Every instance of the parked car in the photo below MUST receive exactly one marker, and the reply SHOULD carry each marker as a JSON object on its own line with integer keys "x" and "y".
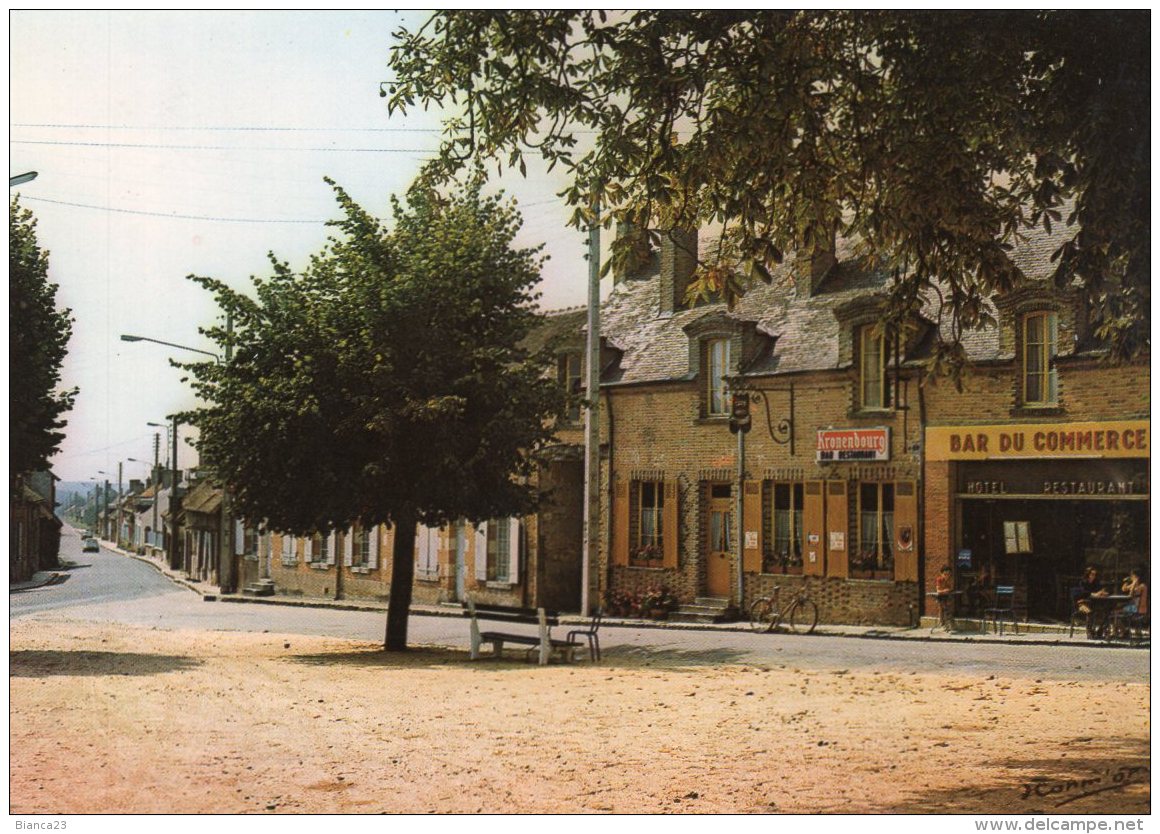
{"x": 91, "y": 546}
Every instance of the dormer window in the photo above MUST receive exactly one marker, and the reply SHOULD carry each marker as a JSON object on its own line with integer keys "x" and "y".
{"x": 874, "y": 393}
{"x": 568, "y": 374}
{"x": 1040, "y": 337}
{"x": 716, "y": 371}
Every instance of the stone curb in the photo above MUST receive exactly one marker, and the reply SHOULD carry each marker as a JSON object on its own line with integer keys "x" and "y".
{"x": 914, "y": 634}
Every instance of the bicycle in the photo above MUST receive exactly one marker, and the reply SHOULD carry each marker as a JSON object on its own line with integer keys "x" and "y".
{"x": 765, "y": 614}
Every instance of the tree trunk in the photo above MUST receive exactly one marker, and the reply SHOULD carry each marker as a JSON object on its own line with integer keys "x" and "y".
{"x": 402, "y": 583}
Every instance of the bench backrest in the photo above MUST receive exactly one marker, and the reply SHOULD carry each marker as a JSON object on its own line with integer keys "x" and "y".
{"x": 508, "y": 614}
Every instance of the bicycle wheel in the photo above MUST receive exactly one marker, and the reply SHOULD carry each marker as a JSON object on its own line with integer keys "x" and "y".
{"x": 803, "y": 617}
{"x": 761, "y": 614}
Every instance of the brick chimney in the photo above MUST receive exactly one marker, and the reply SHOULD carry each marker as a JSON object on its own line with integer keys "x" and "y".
{"x": 647, "y": 268}
{"x": 678, "y": 261}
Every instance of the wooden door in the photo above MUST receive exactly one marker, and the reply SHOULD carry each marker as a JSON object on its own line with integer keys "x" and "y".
{"x": 719, "y": 547}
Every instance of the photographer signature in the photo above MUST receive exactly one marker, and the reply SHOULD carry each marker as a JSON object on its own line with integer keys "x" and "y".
{"x": 1069, "y": 790}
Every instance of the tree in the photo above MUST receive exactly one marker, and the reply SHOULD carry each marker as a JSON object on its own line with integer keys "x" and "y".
{"x": 936, "y": 139}
{"x": 384, "y": 383}
{"x": 38, "y": 335}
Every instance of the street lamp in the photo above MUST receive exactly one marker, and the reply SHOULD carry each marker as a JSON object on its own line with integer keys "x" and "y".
{"x": 103, "y": 529}
{"x": 226, "y": 572}
{"x": 20, "y": 179}
{"x": 126, "y": 337}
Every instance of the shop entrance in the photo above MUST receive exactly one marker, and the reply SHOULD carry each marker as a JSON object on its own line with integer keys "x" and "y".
{"x": 1041, "y": 543}
{"x": 719, "y": 548}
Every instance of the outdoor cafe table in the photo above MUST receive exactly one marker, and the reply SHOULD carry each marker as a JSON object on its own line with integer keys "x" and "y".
{"x": 1103, "y": 607}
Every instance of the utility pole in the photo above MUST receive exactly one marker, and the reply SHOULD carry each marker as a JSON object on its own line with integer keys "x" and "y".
{"x": 156, "y": 486}
{"x": 120, "y": 500}
{"x": 227, "y": 573}
{"x": 591, "y": 555}
{"x": 174, "y": 549}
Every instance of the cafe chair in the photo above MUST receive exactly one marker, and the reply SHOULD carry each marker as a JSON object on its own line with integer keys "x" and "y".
{"x": 590, "y": 634}
{"x": 1077, "y": 616}
{"x": 1003, "y": 609}
{"x": 1129, "y": 627}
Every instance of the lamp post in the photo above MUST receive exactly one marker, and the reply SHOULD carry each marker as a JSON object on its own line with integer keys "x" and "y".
{"x": 102, "y": 527}
{"x": 127, "y": 337}
{"x": 20, "y": 179}
{"x": 226, "y": 574}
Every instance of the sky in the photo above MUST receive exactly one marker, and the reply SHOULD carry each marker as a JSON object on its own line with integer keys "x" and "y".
{"x": 178, "y": 143}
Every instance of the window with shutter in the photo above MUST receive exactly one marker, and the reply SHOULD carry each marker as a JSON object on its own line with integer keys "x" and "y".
{"x": 1040, "y": 380}
{"x": 348, "y": 546}
{"x": 373, "y": 551}
{"x": 480, "y": 552}
{"x": 514, "y": 550}
{"x": 427, "y": 551}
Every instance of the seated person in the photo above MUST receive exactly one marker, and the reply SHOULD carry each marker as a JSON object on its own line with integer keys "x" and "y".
{"x": 1135, "y": 588}
{"x": 977, "y": 590}
{"x": 1089, "y": 586}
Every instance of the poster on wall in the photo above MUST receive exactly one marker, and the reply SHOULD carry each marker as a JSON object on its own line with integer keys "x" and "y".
{"x": 1017, "y": 536}
{"x": 837, "y": 540}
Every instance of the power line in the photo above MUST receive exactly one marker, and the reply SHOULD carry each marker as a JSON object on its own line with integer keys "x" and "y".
{"x": 238, "y": 128}
{"x": 172, "y": 216}
{"x": 175, "y": 216}
{"x": 156, "y": 146}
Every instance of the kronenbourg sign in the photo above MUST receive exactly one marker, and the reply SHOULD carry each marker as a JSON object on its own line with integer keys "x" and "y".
{"x": 853, "y": 444}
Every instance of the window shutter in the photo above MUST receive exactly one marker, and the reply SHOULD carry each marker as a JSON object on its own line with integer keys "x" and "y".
{"x": 837, "y": 521}
{"x": 239, "y": 538}
{"x": 620, "y": 523}
{"x": 308, "y": 549}
{"x": 514, "y": 550}
{"x": 373, "y": 558}
{"x": 751, "y": 510}
{"x": 426, "y": 553}
{"x": 813, "y": 525}
{"x": 348, "y": 546}
{"x": 905, "y": 532}
{"x": 481, "y": 552}
{"x": 287, "y": 548}
{"x": 331, "y": 546}
{"x": 668, "y": 526}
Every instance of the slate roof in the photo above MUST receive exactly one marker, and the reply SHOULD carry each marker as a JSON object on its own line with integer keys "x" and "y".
{"x": 805, "y": 329}
{"x": 203, "y": 498}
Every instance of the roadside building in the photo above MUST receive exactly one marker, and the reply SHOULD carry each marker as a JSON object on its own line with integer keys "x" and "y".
{"x": 1040, "y": 466}
{"x": 829, "y": 491}
{"x": 34, "y": 529}
{"x": 199, "y": 520}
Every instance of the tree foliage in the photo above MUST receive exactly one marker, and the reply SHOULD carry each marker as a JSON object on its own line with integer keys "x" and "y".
{"x": 38, "y": 335}
{"x": 384, "y": 383}
{"x": 936, "y": 139}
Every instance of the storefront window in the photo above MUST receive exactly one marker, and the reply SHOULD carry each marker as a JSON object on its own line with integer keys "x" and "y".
{"x": 875, "y": 552}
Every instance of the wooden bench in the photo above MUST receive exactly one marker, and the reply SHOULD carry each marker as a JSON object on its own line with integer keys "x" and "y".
{"x": 540, "y": 642}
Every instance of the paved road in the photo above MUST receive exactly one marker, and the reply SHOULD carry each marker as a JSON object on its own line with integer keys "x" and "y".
{"x": 108, "y": 587}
